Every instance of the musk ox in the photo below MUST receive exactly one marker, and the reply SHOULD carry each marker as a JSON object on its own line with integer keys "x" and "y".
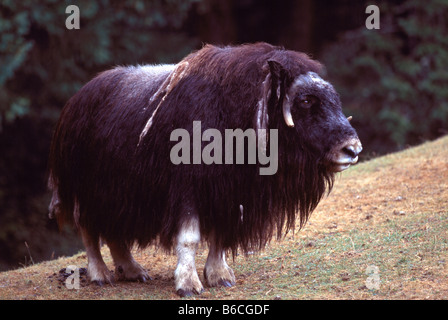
{"x": 112, "y": 177}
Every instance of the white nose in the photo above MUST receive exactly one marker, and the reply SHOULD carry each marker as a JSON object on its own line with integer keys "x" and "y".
{"x": 347, "y": 155}
{"x": 353, "y": 148}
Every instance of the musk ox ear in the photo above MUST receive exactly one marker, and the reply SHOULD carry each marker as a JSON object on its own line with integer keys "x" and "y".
{"x": 278, "y": 74}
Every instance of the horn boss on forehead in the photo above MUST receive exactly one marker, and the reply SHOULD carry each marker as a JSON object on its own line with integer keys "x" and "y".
{"x": 112, "y": 174}
{"x": 303, "y": 81}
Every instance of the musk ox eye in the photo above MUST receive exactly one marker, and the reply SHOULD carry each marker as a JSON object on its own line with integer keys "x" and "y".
{"x": 307, "y": 102}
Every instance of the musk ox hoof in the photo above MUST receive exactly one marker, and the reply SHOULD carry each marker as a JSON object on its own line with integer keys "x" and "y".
{"x": 132, "y": 272}
{"x": 225, "y": 283}
{"x": 188, "y": 284}
{"x": 143, "y": 278}
{"x": 100, "y": 276}
{"x": 106, "y": 279}
{"x": 99, "y": 283}
{"x": 188, "y": 293}
{"x": 102, "y": 282}
{"x": 221, "y": 276}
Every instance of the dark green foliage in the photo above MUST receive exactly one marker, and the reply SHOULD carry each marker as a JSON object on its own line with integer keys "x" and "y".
{"x": 394, "y": 81}
{"x": 43, "y": 62}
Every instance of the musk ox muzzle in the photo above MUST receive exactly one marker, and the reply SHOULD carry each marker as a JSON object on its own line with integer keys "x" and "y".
{"x": 347, "y": 154}
{"x": 113, "y": 178}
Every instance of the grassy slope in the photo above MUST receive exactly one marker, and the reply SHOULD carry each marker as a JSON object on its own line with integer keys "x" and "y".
{"x": 390, "y": 213}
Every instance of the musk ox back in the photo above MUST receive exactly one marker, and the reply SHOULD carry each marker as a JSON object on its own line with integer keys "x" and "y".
{"x": 113, "y": 176}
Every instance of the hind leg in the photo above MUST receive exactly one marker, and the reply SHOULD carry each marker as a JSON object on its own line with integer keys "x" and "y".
{"x": 216, "y": 270}
{"x": 126, "y": 268}
{"x": 97, "y": 269}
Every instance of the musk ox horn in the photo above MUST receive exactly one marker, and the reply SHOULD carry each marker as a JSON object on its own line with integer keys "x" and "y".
{"x": 278, "y": 75}
{"x": 287, "y": 112}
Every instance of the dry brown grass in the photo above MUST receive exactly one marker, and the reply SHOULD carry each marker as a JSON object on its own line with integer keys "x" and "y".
{"x": 390, "y": 212}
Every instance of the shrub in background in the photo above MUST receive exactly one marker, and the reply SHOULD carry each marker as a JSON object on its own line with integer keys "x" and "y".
{"x": 394, "y": 80}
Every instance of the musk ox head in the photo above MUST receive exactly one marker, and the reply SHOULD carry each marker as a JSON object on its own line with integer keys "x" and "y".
{"x": 311, "y": 107}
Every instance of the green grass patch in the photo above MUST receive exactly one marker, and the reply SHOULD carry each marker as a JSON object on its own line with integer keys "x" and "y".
{"x": 335, "y": 265}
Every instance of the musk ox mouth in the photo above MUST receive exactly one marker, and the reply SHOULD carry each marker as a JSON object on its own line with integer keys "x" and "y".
{"x": 344, "y": 164}
{"x": 346, "y": 155}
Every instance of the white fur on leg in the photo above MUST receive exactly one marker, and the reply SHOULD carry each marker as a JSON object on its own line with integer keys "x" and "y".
{"x": 216, "y": 270}
{"x": 185, "y": 276}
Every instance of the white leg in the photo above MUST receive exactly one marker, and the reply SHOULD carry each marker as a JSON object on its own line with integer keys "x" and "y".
{"x": 216, "y": 270}
{"x": 126, "y": 268}
{"x": 185, "y": 276}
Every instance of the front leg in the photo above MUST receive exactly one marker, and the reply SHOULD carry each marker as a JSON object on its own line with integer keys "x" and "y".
{"x": 185, "y": 276}
{"x": 216, "y": 270}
